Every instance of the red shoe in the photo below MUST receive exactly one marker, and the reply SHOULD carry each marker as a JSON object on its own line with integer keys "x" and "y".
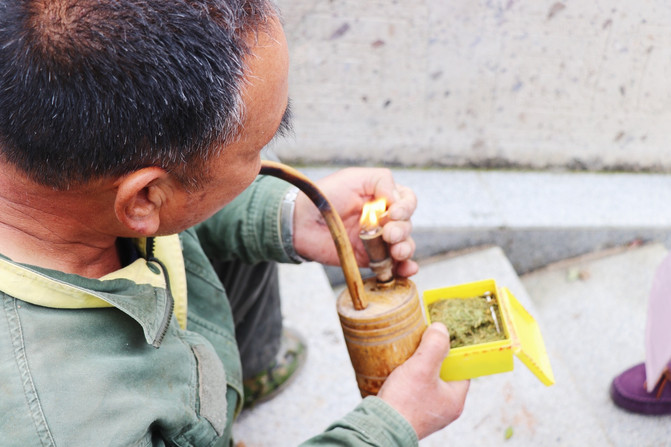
{"x": 629, "y": 392}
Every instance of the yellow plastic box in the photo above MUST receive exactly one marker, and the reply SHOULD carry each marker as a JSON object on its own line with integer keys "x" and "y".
{"x": 523, "y": 337}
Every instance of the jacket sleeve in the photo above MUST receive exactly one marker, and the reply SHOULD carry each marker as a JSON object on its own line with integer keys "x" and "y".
{"x": 372, "y": 423}
{"x": 249, "y": 228}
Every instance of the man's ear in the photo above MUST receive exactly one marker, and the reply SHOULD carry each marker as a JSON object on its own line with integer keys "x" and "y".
{"x": 139, "y": 198}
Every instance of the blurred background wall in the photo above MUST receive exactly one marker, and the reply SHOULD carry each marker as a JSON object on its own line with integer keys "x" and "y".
{"x": 540, "y": 84}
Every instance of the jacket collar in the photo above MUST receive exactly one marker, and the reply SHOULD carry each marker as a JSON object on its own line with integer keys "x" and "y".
{"x": 146, "y": 290}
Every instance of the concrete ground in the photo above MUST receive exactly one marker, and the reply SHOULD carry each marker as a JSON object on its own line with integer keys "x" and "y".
{"x": 591, "y": 311}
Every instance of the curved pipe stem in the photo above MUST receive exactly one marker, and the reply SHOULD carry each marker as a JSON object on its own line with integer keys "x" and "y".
{"x": 333, "y": 221}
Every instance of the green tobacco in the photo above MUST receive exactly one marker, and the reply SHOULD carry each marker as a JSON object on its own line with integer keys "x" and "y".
{"x": 469, "y": 320}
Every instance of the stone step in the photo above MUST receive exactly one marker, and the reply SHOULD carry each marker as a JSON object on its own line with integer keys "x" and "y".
{"x": 537, "y": 218}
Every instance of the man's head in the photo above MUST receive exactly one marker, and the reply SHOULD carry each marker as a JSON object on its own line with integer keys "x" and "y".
{"x": 94, "y": 89}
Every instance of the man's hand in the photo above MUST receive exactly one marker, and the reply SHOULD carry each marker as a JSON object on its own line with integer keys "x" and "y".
{"x": 416, "y": 391}
{"x": 348, "y": 190}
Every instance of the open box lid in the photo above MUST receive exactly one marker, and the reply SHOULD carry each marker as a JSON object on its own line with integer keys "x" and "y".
{"x": 527, "y": 341}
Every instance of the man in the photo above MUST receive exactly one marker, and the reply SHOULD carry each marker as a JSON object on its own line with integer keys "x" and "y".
{"x": 125, "y": 127}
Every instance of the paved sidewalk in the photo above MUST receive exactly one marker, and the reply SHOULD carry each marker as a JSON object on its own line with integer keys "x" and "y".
{"x": 595, "y": 326}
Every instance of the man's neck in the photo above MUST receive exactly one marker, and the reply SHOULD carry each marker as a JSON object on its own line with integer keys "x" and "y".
{"x": 60, "y": 230}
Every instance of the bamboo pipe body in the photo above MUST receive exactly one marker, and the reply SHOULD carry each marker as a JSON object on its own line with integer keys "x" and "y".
{"x": 385, "y": 334}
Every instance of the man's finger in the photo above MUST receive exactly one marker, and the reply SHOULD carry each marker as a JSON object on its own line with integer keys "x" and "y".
{"x": 396, "y": 231}
{"x": 404, "y": 207}
{"x": 432, "y": 350}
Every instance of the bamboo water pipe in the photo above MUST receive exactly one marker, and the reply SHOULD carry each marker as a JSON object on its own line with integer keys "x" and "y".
{"x": 381, "y": 318}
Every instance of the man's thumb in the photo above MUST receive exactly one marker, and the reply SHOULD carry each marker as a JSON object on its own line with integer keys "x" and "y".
{"x": 433, "y": 348}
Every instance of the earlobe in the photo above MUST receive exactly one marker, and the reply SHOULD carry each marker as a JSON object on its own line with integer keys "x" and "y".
{"x": 138, "y": 200}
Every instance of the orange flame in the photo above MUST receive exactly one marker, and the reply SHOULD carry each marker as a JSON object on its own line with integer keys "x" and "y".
{"x": 371, "y": 214}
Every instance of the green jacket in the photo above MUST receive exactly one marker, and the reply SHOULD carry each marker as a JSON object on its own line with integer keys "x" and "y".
{"x": 124, "y": 361}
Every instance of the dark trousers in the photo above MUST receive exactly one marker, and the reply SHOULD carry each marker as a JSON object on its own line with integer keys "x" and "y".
{"x": 254, "y": 294}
